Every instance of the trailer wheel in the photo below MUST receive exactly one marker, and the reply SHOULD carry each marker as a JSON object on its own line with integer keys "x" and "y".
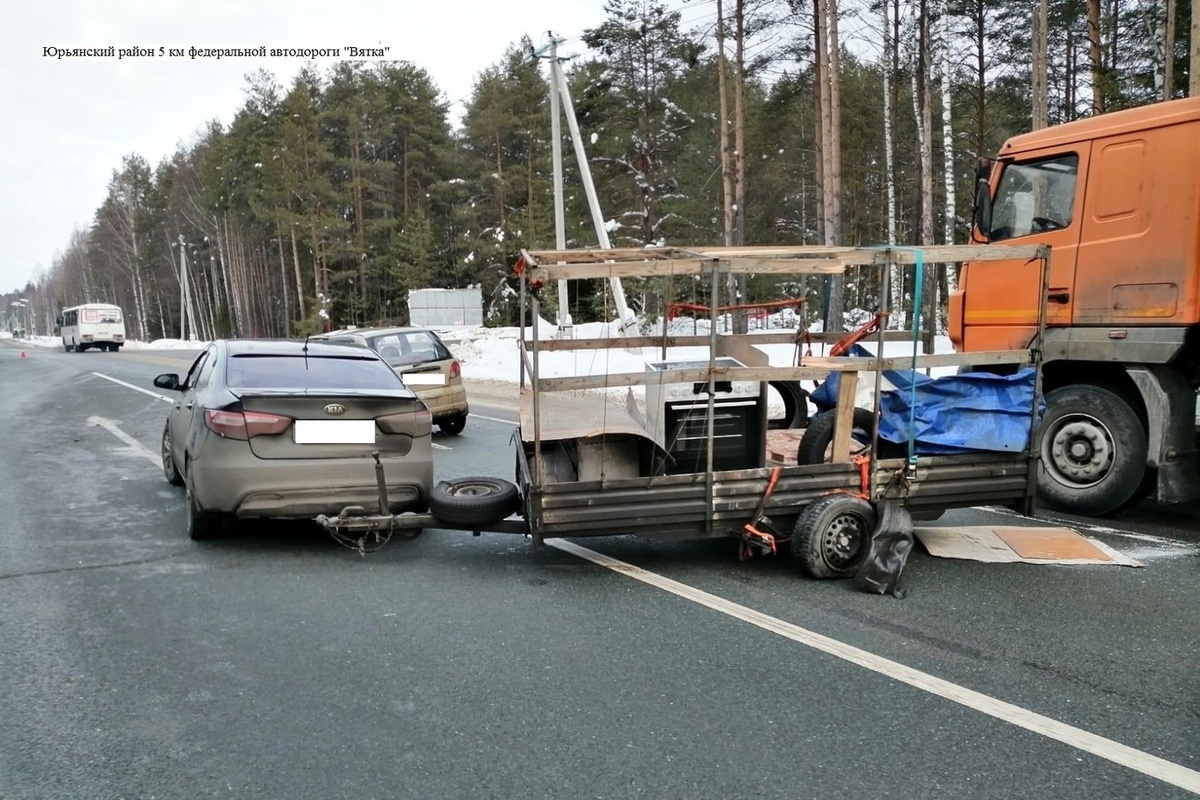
{"x": 1093, "y": 451}
{"x": 474, "y": 501}
{"x": 833, "y": 536}
{"x": 795, "y": 405}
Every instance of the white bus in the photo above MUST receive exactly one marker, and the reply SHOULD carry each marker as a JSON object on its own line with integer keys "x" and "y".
{"x": 96, "y": 325}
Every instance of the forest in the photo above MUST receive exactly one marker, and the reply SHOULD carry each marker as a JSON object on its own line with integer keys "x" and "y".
{"x": 325, "y": 200}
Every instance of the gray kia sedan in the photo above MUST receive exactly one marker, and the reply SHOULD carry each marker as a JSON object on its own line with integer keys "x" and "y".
{"x": 287, "y": 429}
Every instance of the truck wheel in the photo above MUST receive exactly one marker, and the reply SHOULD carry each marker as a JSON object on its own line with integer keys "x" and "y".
{"x": 1093, "y": 451}
{"x": 795, "y": 405}
{"x": 474, "y": 501}
{"x": 832, "y": 536}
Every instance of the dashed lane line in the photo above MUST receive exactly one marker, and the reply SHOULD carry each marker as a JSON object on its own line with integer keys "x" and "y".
{"x": 162, "y": 397}
{"x": 135, "y": 447}
{"x": 1137, "y": 760}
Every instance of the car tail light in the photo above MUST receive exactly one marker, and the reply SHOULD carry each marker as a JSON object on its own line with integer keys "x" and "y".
{"x": 411, "y": 423}
{"x": 245, "y": 425}
{"x": 455, "y": 369}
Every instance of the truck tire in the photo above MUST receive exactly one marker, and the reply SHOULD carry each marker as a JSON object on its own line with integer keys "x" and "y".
{"x": 474, "y": 501}
{"x": 833, "y": 536}
{"x": 1093, "y": 449}
{"x": 795, "y": 405}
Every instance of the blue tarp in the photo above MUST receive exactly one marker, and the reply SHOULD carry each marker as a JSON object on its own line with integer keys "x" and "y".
{"x": 975, "y": 411}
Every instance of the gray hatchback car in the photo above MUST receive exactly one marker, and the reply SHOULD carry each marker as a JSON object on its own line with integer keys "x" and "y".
{"x": 287, "y": 429}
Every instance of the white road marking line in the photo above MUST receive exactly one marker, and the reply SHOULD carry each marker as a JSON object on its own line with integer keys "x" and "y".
{"x": 135, "y": 447}
{"x": 495, "y": 419}
{"x": 1091, "y": 528}
{"x": 437, "y": 446}
{"x": 164, "y": 398}
{"x": 1145, "y": 763}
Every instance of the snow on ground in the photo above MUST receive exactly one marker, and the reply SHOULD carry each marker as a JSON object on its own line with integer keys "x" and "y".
{"x": 157, "y": 344}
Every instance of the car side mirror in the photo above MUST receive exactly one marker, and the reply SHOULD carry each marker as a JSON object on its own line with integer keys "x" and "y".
{"x": 168, "y": 381}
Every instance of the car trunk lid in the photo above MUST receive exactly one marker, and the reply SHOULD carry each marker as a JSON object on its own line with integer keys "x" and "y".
{"x": 327, "y": 424}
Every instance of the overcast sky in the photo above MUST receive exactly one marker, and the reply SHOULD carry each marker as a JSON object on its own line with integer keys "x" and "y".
{"x": 70, "y": 121}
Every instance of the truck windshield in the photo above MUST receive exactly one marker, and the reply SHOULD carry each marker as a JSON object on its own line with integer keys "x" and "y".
{"x": 1034, "y": 197}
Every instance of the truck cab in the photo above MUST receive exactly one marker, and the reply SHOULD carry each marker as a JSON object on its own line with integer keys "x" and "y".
{"x": 1117, "y": 197}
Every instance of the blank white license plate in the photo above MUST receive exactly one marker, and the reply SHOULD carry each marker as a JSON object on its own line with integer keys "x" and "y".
{"x": 424, "y": 378}
{"x": 334, "y": 431}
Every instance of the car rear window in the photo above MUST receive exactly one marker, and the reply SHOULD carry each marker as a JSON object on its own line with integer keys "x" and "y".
{"x": 410, "y": 347}
{"x": 252, "y": 371}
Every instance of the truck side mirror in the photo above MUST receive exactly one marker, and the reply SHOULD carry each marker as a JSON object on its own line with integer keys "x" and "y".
{"x": 983, "y": 209}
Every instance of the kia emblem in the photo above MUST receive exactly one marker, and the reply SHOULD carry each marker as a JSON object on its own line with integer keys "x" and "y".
{"x": 335, "y": 409}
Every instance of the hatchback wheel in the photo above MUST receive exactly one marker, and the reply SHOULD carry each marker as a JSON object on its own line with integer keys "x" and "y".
{"x": 453, "y": 426}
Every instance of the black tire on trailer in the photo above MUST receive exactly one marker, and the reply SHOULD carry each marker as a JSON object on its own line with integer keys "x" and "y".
{"x": 833, "y": 536}
{"x": 474, "y": 501}
{"x": 795, "y": 405}
{"x": 819, "y": 435}
{"x": 1093, "y": 449}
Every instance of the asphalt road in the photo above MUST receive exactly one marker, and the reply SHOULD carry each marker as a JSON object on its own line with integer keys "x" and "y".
{"x": 135, "y": 663}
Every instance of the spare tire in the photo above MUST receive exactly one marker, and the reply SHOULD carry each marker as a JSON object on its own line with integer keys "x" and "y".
{"x": 795, "y": 405}
{"x": 819, "y": 436}
{"x": 474, "y": 501}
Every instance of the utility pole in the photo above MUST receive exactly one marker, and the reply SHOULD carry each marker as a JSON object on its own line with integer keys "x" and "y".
{"x": 565, "y": 323}
{"x": 560, "y": 91}
{"x": 182, "y": 292}
{"x": 186, "y": 320}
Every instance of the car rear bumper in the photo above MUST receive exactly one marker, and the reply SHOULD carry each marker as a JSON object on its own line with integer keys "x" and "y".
{"x": 307, "y": 487}
{"x": 444, "y": 401}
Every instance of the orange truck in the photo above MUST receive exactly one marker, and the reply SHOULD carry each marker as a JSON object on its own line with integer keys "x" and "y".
{"x": 1117, "y": 197}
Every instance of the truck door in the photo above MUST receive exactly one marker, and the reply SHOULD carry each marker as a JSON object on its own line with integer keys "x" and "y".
{"x": 1038, "y": 200}
{"x": 1137, "y": 258}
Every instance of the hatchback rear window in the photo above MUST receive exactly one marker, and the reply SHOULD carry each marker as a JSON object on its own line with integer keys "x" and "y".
{"x": 250, "y": 371}
{"x": 410, "y": 347}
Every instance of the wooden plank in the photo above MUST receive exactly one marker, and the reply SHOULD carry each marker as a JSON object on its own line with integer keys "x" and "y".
{"x": 632, "y": 341}
{"x": 843, "y": 423}
{"x": 951, "y": 254}
{"x": 684, "y": 266}
{"x": 813, "y": 369}
{"x": 982, "y": 357}
{"x": 784, "y": 336}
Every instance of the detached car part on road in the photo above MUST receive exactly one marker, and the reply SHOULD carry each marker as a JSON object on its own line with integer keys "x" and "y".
{"x": 293, "y": 430}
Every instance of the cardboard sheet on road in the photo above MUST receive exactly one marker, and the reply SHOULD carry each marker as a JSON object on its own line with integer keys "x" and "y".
{"x": 1007, "y": 545}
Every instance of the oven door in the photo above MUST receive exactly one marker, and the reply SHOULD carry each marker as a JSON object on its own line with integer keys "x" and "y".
{"x": 737, "y": 438}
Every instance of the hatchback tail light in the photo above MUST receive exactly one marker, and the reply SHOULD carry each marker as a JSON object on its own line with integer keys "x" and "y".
{"x": 245, "y": 425}
{"x": 455, "y": 369}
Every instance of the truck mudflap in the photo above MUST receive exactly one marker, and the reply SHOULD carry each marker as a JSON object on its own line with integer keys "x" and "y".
{"x": 1170, "y": 404}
